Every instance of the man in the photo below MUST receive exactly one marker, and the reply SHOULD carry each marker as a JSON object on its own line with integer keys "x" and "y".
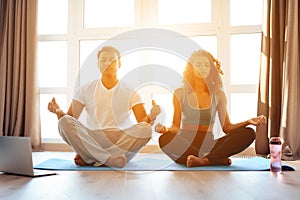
{"x": 109, "y": 138}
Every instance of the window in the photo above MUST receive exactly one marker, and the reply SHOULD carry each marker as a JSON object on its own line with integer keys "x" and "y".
{"x": 191, "y": 11}
{"x": 114, "y": 12}
{"x": 245, "y": 13}
{"x": 245, "y": 58}
{"x": 70, "y": 31}
{"x": 49, "y": 23}
{"x": 52, "y": 62}
{"x": 245, "y": 42}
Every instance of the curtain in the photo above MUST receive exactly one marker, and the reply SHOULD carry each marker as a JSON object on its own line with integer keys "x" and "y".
{"x": 279, "y": 83}
{"x": 19, "y": 95}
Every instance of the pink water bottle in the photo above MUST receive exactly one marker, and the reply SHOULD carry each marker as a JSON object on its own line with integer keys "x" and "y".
{"x": 275, "y": 152}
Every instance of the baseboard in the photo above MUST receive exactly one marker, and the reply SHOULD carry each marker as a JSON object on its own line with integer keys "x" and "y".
{"x": 56, "y": 147}
{"x": 250, "y": 151}
{"x": 151, "y": 148}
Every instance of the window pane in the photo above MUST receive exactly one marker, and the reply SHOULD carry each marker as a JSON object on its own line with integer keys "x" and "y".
{"x": 48, "y": 119}
{"x": 164, "y": 58}
{"x": 86, "y": 49}
{"x": 103, "y": 13}
{"x": 89, "y": 61}
{"x": 246, "y": 12}
{"x": 164, "y": 100}
{"x": 52, "y": 64}
{"x": 245, "y": 58}
{"x": 184, "y": 11}
{"x": 208, "y": 43}
{"x": 129, "y": 61}
{"x": 52, "y": 17}
{"x": 243, "y": 106}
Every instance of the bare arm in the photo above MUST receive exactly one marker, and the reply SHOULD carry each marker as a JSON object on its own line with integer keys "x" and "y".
{"x": 177, "y": 101}
{"x": 141, "y": 114}
{"x": 75, "y": 109}
{"x": 225, "y": 120}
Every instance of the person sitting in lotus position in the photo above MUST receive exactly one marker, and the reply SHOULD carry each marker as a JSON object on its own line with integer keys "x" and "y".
{"x": 190, "y": 139}
{"x": 109, "y": 138}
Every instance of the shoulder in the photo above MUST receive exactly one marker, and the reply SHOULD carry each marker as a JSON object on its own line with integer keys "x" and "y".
{"x": 84, "y": 92}
{"x": 124, "y": 86}
{"x": 179, "y": 91}
{"x": 179, "y": 94}
{"x": 221, "y": 97}
{"x": 88, "y": 85}
{"x": 86, "y": 89}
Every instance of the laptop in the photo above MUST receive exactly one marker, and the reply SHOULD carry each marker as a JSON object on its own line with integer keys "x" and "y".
{"x": 16, "y": 157}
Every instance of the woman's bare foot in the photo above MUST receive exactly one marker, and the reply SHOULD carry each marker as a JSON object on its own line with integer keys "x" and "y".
{"x": 224, "y": 161}
{"x": 78, "y": 161}
{"x": 116, "y": 161}
{"x": 194, "y": 161}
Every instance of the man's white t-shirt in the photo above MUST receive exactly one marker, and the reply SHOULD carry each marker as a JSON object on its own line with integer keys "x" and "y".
{"x": 107, "y": 109}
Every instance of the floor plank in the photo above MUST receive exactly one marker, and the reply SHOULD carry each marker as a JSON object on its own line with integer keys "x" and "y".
{"x": 151, "y": 185}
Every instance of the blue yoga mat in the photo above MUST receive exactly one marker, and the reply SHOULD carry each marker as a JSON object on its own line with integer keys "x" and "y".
{"x": 156, "y": 162}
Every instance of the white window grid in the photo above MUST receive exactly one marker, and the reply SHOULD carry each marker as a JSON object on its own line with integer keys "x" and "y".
{"x": 146, "y": 16}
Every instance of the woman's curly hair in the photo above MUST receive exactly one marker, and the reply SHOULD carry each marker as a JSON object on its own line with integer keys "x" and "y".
{"x": 213, "y": 80}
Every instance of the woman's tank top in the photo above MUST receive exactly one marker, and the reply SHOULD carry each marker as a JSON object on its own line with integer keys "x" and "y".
{"x": 198, "y": 116}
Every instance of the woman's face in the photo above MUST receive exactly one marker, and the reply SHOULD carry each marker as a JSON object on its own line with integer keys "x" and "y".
{"x": 201, "y": 66}
{"x": 108, "y": 62}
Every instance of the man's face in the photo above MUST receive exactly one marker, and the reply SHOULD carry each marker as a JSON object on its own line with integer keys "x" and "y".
{"x": 108, "y": 62}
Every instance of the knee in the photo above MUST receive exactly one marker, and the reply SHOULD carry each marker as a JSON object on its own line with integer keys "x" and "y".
{"x": 175, "y": 152}
{"x": 65, "y": 121}
{"x": 66, "y": 125}
{"x": 251, "y": 134}
{"x": 164, "y": 140}
{"x": 145, "y": 131}
{"x": 161, "y": 141}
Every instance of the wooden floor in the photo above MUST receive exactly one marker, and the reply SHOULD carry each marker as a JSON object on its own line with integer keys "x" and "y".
{"x": 86, "y": 185}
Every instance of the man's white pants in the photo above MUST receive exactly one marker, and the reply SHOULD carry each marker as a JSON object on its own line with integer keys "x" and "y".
{"x": 97, "y": 146}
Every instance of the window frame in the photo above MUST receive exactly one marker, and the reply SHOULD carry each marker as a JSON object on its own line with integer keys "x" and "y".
{"x": 146, "y": 16}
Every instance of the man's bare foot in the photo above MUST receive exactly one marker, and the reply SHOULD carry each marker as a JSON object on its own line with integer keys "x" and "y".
{"x": 194, "y": 161}
{"x": 116, "y": 161}
{"x": 78, "y": 161}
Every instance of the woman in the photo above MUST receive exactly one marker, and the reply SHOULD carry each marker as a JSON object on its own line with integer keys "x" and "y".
{"x": 190, "y": 140}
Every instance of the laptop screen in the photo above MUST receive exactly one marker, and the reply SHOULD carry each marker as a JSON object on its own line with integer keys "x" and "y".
{"x": 16, "y": 155}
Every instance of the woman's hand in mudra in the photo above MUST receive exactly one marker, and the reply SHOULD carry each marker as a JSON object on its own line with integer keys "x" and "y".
{"x": 159, "y": 128}
{"x": 257, "y": 121}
